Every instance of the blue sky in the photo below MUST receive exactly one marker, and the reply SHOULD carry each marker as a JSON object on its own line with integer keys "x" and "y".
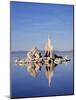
{"x": 31, "y": 24}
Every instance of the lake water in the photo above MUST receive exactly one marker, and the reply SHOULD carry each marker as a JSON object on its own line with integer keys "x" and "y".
{"x": 25, "y": 85}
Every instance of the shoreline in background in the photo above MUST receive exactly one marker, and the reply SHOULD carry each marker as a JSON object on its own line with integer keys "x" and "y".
{"x": 41, "y": 51}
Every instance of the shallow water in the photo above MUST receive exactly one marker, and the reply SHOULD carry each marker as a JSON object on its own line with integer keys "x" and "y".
{"x": 25, "y": 85}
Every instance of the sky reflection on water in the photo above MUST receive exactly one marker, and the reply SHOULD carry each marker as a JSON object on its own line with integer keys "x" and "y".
{"x": 24, "y": 85}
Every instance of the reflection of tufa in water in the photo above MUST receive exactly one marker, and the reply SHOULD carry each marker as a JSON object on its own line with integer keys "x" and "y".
{"x": 34, "y": 69}
{"x": 49, "y": 72}
{"x": 35, "y": 61}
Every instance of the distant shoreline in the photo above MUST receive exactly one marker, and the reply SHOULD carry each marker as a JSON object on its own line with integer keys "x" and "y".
{"x": 41, "y": 51}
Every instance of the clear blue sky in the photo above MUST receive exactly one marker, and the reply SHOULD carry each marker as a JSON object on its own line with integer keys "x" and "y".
{"x": 32, "y": 23}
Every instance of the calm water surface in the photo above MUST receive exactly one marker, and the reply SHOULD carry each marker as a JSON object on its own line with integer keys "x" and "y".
{"x": 25, "y": 85}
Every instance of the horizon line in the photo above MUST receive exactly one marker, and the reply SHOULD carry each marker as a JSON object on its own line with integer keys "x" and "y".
{"x": 39, "y": 50}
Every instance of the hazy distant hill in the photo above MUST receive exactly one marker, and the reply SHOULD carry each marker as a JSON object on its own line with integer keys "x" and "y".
{"x": 43, "y": 51}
